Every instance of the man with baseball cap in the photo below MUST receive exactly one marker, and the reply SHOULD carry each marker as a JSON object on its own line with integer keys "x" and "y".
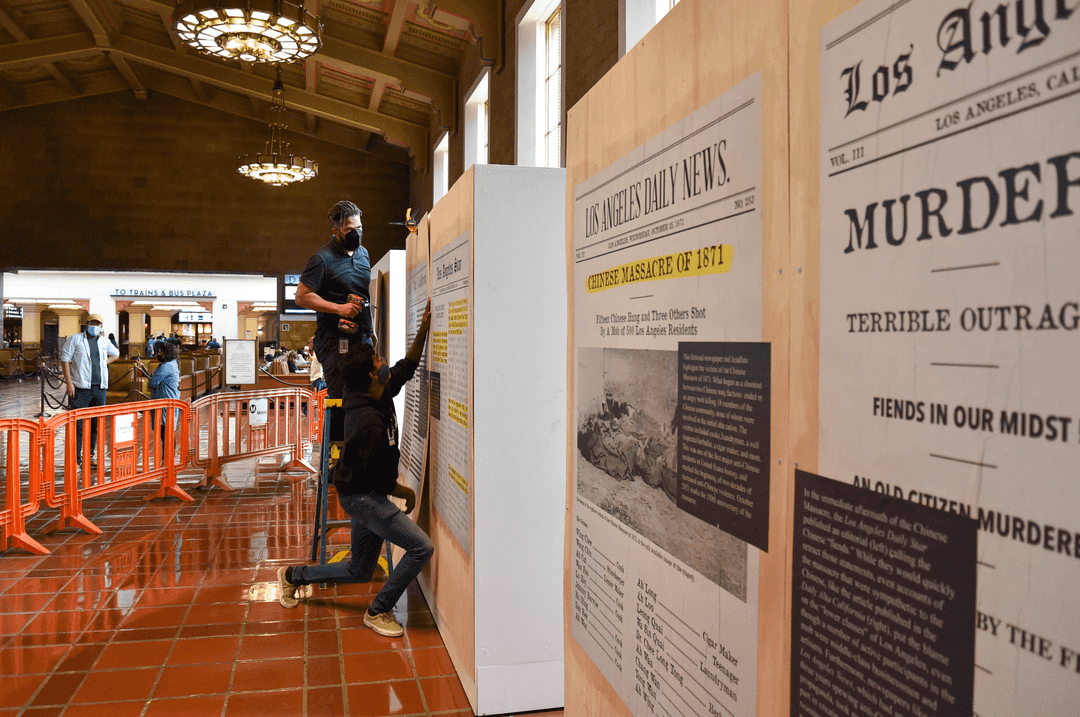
{"x": 85, "y": 359}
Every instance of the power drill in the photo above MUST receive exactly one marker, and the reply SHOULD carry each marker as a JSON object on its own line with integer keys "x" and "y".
{"x": 346, "y": 326}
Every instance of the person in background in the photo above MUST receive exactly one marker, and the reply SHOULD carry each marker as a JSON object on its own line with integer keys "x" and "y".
{"x": 112, "y": 339}
{"x": 315, "y": 374}
{"x": 165, "y": 383}
{"x": 213, "y": 344}
{"x": 365, "y": 477}
{"x": 85, "y": 361}
{"x": 174, "y": 339}
{"x": 290, "y": 361}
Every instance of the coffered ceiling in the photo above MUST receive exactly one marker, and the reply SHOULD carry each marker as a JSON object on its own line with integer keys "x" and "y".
{"x": 383, "y": 79}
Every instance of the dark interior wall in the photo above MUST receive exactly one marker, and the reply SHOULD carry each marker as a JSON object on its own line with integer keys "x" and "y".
{"x": 111, "y": 182}
{"x": 591, "y": 29}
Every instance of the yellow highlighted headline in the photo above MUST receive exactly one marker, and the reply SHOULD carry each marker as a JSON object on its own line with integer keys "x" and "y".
{"x": 695, "y": 262}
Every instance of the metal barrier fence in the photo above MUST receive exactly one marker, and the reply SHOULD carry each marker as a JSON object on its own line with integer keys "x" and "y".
{"x": 140, "y": 443}
{"x": 19, "y": 436}
{"x": 251, "y": 424}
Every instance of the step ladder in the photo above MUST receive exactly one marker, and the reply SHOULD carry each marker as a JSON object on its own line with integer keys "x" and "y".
{"x": 329, "y": 453}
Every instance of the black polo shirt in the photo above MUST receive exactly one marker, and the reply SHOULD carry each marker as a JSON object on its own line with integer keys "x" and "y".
{"x": 333, "y": 274}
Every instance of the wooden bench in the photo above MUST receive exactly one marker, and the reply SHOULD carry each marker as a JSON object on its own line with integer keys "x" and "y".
{"x": 9, "y": 362}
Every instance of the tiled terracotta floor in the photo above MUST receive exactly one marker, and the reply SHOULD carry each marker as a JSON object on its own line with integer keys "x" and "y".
{"x": 174, "y": 610}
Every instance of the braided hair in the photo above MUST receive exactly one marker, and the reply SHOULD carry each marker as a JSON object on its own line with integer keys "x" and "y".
{"x": 340, "y": 213}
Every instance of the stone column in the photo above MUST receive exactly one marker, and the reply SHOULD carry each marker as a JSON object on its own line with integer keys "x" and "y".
{"x": 31, "y": 325}
{"x": 161, "y": 322}
{"x": 70, "y": 321}
{"x": 136, "y": 332}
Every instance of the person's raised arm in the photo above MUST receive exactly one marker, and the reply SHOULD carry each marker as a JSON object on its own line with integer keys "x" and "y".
{"x": 420, "y": 340}
{"x": 308, "y": 299}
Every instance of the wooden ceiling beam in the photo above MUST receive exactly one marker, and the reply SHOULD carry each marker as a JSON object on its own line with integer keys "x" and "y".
{"x": 481, "y": 21}
{"x": 102, "y": 84}
{"x": 396, "y": 26}
{"x": 202, "y": 92}
{"x": 250, "y": 84}
{"x": 358, "y": 60}
{"x": 13, "y": 26}
{"x": 98, "y": 18}
{"x": 166, "y": 20}
{"x": 64, "y": 78}
{"x": 129, "y": 73}
{"x": 376, "y": 95}
{"x": 398, "y": 73}
{"x": 338, "y": 136}
{"x": 33, "y": 53}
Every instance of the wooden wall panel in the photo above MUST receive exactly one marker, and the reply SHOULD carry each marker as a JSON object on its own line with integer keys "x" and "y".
{"x": 451, "y": 574}
{"x": 809, "y": 17}
{"x": 699, "y": 50}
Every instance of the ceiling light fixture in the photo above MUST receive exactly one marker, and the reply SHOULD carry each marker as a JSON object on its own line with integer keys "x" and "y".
{"x": 275, "y": 165}
{"x": 249, "y": 30}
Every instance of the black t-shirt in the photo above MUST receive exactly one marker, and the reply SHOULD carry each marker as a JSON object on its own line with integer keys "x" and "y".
{"x": 369, "y": 463}
{"x": 333, "y": 275}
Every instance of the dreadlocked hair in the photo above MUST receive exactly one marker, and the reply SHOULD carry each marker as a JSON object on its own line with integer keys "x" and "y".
{"x": 341, "y": 212}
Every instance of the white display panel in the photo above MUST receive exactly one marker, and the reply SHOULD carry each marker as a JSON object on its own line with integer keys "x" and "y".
{"x": 950, "y": 186}
{"x": 667, "y": 253}
{"x": 414, "y": 431}
{"x": 451, "y": 366}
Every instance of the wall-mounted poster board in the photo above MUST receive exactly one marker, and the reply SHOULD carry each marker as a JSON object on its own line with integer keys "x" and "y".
{"x": 496, "y": 432}
{"x": 241, "y": 365}
{"x": 412, "y": 467}
{"x": 941, "y": 170}
{"x": 677, "y": 165}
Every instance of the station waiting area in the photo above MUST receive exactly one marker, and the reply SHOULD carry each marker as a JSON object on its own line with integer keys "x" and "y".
{"x": 172, "y": 608}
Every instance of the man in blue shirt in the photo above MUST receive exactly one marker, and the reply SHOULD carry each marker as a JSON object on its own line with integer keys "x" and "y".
{"x": 85, "y": 360}
{"x": 340, "y": 268}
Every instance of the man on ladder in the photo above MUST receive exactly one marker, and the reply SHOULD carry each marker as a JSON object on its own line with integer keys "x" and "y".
{"x": 335, "y": 283}
{"x": 365, "y": 477}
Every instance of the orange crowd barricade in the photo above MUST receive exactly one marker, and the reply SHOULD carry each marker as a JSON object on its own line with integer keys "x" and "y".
{"x": 231, "y": 426}
{"x": 316, "y": 408}
{"x": 20, "y": 439}
{"x": 136, "y": 443}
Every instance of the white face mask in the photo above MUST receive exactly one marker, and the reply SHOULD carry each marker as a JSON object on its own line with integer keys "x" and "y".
{"x": 93, "y": 330}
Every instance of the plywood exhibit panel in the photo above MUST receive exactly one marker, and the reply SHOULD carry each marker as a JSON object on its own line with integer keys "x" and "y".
{"x": 679, "y": 487}
{"x": 936, "y": 215}
{"x": 497, "y": 431}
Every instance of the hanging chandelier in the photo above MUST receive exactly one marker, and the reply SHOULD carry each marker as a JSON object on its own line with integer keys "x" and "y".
{"x": 275, "y": 165}
{"x": 249, "y": 30}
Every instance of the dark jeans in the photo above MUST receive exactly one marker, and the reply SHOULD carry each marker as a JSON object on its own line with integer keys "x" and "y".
{"x": 374, "y": 519}
{"x": 84, "y": 398}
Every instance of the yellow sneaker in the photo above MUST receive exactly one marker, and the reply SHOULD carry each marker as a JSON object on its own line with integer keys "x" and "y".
{"x": 384, "y": 624}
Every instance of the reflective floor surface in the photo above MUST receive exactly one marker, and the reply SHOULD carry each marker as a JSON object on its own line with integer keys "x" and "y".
{"x": 174, "y": 610}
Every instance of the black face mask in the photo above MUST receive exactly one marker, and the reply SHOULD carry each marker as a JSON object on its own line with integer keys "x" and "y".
{"x": 351, "y": 240}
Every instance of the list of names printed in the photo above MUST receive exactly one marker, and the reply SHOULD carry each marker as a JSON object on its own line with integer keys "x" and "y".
{"x": 451, "y": 354}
